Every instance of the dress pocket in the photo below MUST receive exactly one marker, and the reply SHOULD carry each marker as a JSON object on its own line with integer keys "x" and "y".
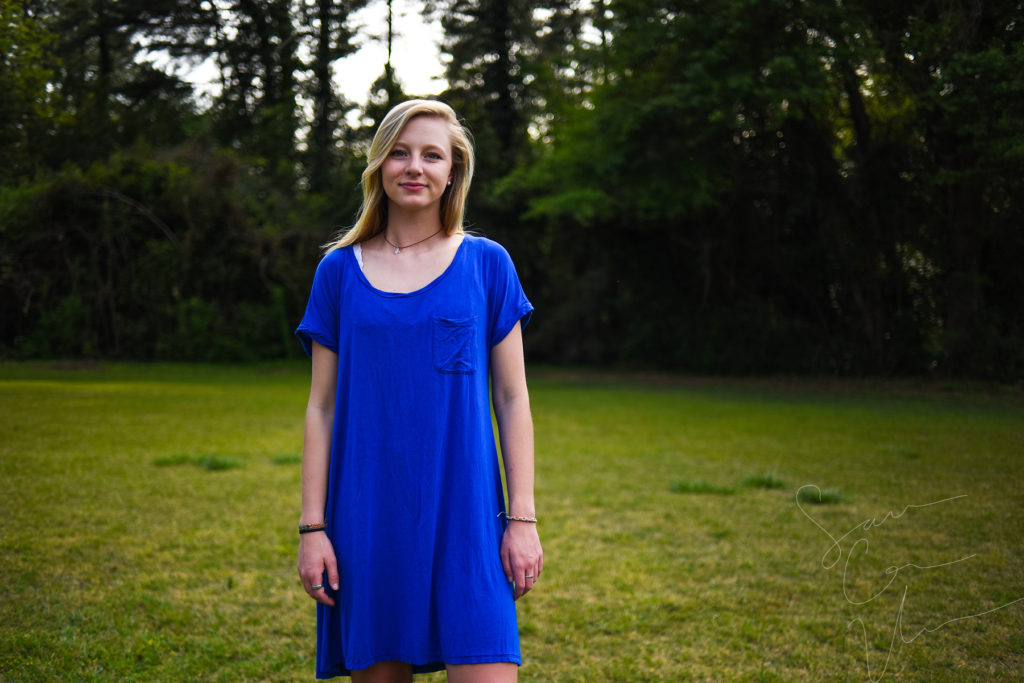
{"x": 453, "y": 344}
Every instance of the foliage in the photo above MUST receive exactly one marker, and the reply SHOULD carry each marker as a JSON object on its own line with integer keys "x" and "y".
{"x": 90, "y": 269}
{"x": 180, "y": 573}
{"x": 26, "y": 107}
{"x": 773, "y": 178}
{"x": 332, "y": 40}
{"x": 715, "y": 186}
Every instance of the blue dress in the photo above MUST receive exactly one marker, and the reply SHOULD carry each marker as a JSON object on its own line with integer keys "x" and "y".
{"x": 414, "y": 492}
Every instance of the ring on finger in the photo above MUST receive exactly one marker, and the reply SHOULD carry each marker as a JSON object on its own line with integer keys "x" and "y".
{"x": 316, "y": 586}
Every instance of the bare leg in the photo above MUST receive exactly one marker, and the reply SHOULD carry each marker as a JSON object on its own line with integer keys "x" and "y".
{"x": 384, "y": 672}
{"x": 497, "y": 672}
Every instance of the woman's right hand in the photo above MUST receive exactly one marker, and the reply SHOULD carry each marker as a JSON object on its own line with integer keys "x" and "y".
{"x": 316, "y": 556}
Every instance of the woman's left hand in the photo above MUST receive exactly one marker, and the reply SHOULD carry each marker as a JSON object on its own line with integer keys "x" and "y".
{"x": 521, "y": 556}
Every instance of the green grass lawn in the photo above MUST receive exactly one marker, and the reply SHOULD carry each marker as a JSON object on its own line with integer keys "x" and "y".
{"x": 148, "y": 528}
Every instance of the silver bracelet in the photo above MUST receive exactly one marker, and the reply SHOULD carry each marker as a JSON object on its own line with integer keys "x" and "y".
{"x": 532, "y": 520}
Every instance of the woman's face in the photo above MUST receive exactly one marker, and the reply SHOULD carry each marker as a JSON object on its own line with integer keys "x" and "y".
{"x": 419, "y": 165}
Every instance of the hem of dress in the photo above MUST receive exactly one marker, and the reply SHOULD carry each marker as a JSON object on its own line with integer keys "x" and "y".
{"x": 426, "y": 667}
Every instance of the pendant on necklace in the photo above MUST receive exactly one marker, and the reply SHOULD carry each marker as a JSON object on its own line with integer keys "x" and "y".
{"x": 397, "y": 250}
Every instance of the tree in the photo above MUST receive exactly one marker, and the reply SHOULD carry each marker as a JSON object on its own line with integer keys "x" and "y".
{"x": 26, "y": 110}
{"x": 100, "y": 90}
{"x": 331, "y": 40}
{"x": 497, "y": 50}
{"x": 777, "y": 181}
{"x": 257, "y": 47}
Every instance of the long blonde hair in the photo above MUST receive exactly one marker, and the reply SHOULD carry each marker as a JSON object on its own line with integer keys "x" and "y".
{"x": 373, "y": 214}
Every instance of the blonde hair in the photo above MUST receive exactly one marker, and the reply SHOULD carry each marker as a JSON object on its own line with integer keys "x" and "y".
{"x": 373, "y": 214}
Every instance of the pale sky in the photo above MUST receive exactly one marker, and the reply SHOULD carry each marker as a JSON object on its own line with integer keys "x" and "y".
{"x": 415, "y": 52}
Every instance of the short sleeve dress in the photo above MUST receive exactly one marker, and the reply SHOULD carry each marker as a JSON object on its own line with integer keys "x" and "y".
{"x": 414, "y": 494}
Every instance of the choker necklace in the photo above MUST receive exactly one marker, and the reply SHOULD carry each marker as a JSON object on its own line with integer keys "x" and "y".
{"x": 399, "y": 249}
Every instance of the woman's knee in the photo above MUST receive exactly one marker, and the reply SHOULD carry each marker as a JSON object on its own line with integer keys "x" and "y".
{"x": 384, "y": 672}
{"x": 495, "y": 672}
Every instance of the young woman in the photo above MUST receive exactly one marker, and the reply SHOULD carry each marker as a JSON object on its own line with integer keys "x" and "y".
{"x": 405, "y": 539}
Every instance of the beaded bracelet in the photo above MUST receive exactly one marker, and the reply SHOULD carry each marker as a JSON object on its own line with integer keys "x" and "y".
{"x": 532, "y": 520}
{"x": 310, "y": 528}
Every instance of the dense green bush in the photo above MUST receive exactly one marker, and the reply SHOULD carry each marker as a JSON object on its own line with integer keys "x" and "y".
{"x": 176, "y": 256}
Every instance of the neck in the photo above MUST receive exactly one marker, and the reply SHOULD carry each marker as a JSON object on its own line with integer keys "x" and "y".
{"x": 404, "y": 227}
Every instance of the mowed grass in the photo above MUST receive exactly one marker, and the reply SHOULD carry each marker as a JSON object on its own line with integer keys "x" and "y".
{"x": 148, "y": 528}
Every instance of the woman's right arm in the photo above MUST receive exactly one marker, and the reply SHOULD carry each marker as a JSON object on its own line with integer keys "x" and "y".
{"x": 316, "y": 554}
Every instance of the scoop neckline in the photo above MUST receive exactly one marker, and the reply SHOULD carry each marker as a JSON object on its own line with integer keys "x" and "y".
{"x": 430, "y": 285}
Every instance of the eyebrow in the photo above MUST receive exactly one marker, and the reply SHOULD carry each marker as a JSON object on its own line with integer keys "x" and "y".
{"x": 429, "y": 146}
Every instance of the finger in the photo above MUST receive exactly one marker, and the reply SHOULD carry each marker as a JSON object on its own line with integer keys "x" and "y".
{"x": 308, "y": 581}
{"x": 322, "y": 597}
{"x": 520, "y": 579}
{"x": 333, "y": 575}
{"x": 506, "y": 565}
{"x": 318, "y": 591}
{"x": 311, "y": 584}
{"x": 530, "y": 577}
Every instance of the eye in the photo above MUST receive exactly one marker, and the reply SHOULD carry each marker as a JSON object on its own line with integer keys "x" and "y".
{"x": 434, "y": 155}
{"x": 397, "y": 153}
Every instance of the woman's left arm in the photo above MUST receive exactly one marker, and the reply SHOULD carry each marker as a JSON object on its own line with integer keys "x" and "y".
{"x": 521, "y": 554}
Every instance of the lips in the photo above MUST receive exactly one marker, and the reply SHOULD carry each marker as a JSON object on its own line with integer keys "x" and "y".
{"x": 412, "y": 186}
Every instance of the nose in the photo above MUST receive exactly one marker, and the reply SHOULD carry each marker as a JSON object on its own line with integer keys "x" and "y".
{"x": 414, "y": 166}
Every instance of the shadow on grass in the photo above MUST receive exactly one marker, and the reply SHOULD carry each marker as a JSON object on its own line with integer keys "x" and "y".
{"x": 805, "y": 494}
{"x": 699, "y": 486}
{"x": 211, "y": 462}
{"x": 759, "y": 481}
{"x": 815, "y": 496}
{"x": 763, "y": 481}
